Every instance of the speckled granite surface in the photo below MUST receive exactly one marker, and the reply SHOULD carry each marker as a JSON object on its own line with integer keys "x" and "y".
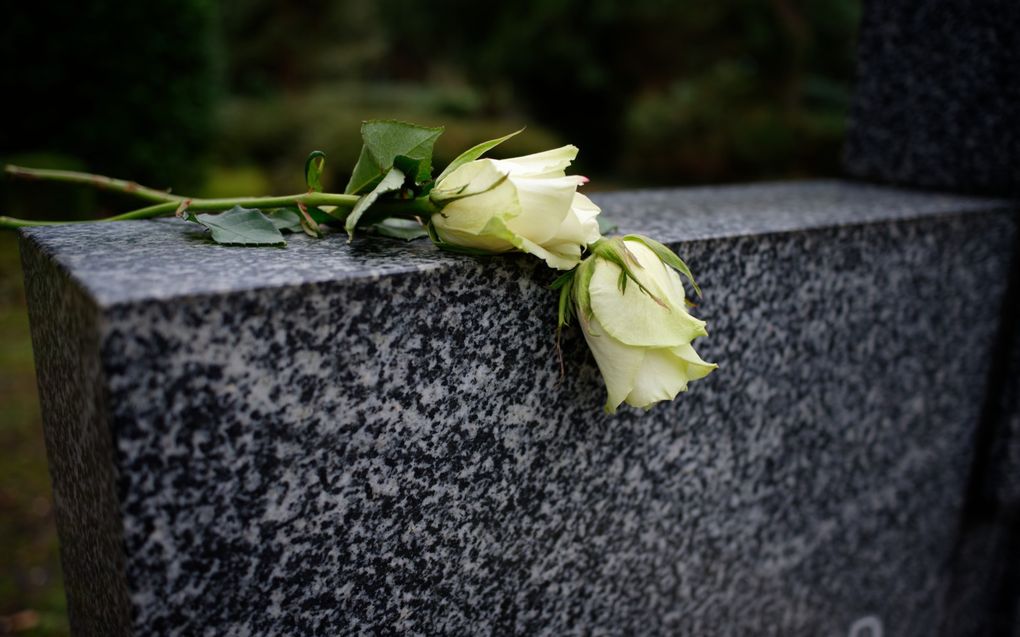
{"x": 335, "y": 439}
{"x": 66, "y": 337}
{"x": 131, "y": 263}
{"x": 935, "y": 102}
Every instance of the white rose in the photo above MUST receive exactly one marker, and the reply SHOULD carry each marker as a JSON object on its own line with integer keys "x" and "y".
{"x": 630, "y": 302}
{"x": 525, "y": 203}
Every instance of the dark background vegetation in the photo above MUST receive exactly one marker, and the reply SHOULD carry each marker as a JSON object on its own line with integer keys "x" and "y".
{"x": 227, "y": 98}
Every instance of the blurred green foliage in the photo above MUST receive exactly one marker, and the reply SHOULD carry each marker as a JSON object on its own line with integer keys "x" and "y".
{"x": 270, "y": 136}
{"x": 126, "y": 88}
{"x": 653, "y": 91}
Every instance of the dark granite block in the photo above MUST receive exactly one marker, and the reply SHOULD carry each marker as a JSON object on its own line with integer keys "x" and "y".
{"x": 1004, "y": 482}
{"x": 938, "y": 88}
{"x": 341, "y": 438}
{"x": 985, "y": 591}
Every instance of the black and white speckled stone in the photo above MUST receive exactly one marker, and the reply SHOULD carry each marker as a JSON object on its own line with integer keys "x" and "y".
{"x": 66, "y": 338}
{"x": 362, "y": 438}
{"x": 938, "y": 83}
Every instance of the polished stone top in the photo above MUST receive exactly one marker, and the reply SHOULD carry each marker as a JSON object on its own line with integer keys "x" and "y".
{"x": 146, "y": 260}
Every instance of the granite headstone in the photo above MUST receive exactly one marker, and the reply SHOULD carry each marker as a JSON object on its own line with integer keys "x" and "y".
{"x": 935, "y": 103}
{"x": 935, "y": 106}
{"x": 336, "y": 437}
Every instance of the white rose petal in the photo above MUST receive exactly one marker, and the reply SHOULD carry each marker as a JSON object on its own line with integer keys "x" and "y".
{"x": 549, "y": 163}
{"x": 524, "y": 203}
{"x": 634, "y": 317}
{"x": 618, "y": 363}
{"x": 642, "y": 345}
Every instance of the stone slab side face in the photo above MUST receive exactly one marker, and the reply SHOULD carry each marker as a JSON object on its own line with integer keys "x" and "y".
{"x": 336, "y": 437}
{"x": 935, "y": 102}
{"x": 66, "y": 335}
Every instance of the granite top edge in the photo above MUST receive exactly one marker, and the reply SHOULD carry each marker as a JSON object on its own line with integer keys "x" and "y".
{"x": 854, "y": 202}
{"x": 116, "y": 267}
{"x": 28, "y": 239}
{"x": 105, "y": 297}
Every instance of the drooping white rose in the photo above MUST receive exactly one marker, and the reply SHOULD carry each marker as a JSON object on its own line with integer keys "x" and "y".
{"x": 526, "y": 203}
{"x": 630, "y": 303}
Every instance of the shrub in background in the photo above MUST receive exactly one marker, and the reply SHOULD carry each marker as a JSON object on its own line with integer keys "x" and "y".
{"x": 656, "y": 92}
{"x": 126, "y": 88}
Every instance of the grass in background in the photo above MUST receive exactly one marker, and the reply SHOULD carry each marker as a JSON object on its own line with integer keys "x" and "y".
{"x": 31, "y": 590}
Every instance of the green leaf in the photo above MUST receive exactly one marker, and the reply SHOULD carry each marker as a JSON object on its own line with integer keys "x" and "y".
{"x": 403, "y": 229}
{"x": 313, "y": 170}
{"x": 565, "y": 310}
{"x": 366, "y": 174}
{"x": 563, "y": 279}
{"x": 393, "y": 180}
{"x": 285, "y": 219}
{"x": 407, "y": 165}
{"x": 242, "y": 226}
{"x": 384, "y": 141}
{"x": 320, "y": 216}
{"x": 474, "y": 153}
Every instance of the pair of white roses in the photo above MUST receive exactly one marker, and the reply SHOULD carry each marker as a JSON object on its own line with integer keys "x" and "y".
{"x": 639, "y": 332}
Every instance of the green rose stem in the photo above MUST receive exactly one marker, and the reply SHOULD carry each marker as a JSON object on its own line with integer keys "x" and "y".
{"x": 96, "y": 181}
{"x": 169, "y": 204}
